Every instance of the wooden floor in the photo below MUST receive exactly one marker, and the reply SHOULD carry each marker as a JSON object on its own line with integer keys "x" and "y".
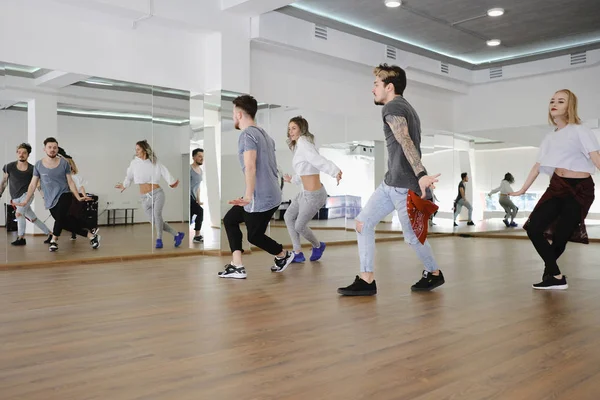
{"x": 170, "y": 329}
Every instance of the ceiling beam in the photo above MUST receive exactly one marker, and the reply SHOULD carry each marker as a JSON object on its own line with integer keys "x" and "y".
{"x": 252, "y": 8}
{"x": 58, "y": 79}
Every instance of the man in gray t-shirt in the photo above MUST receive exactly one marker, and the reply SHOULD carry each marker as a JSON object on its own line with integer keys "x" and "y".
{"x": 54, "y": 175}
{"x": 18, "y": 175}
{"x": 256, "y": 151}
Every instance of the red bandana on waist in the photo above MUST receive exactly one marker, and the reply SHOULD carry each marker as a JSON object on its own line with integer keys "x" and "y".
{"x": 419, "y": 211}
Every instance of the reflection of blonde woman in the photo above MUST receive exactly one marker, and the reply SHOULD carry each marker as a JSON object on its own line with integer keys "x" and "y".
{"x": 570, "y": 155}
{"x": 77, "y": 208}
{"x": 146, "y": 171}
{"x": 506, "y": 203}
{"x": 307, "y": 163}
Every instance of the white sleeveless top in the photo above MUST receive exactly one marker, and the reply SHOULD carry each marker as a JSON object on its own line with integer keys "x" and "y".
{"x": 568, "y": 148}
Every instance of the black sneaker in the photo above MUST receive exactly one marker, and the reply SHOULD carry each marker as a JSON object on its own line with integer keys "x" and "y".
{"x": 359, "y": 288}
{"x": 282, "y": 263}
{"x": 95, "y": 242}
{"x": 94, "y": 231}
{"x": 551, "y": 283}
{"x": 19, "y": 242}
{"x": 53, "y": 246}
{"x": 73, "y": 237}
{"x": 428, "y": 282}
{"x": 233, "y": 272}
{"x": 48, "y": 240}
{"x": 505, "y": 222}
{"x": 198, "y": 239}
{"x": 470, "y": 223}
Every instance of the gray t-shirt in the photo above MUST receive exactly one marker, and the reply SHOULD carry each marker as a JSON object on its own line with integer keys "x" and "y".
{"x": 267, "y": 193}
{"x": 53, "y": 181}
{"x": 18, "y": 181}
{"x": 400, "y": 173}
{"x": 195, "y": 180}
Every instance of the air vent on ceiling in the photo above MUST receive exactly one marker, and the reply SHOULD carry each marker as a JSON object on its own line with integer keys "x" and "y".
{"x": 578, "y": 58}
{"x": 444, "y": 68}
{"x": 321, "y": 32}
{"x": 495, "y": 72}
{"x": 390, "y": 52}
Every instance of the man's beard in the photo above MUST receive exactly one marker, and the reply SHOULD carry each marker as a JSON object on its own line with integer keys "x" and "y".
{"x": 52, "y": 155}
{"x": 378, "y": 103}
{"x": 236, "y": 125}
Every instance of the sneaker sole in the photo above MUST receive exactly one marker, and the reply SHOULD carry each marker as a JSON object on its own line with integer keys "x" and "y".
{"x": 352, "y": 293}
{"x": 234, "y": 276}
{"x": 414, "y": 289}
{"x": 556, "y": 287}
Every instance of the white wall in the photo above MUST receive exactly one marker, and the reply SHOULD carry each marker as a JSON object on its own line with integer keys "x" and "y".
{"x": 103, "y": 149}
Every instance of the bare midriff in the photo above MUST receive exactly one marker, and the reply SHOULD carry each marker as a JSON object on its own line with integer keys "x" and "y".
{"x": 566, "y": 173}
{"x": 148, "y": 187}
{"x": 311, "y": 183}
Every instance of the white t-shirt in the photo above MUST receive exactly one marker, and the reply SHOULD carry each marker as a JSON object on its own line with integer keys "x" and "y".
{"x": 568, "y": 148}
{"x": 79, "y": 182}
{"x": 144, "y": 171}
{"x": 504, "y": 188}
{"x": 308, "y": 161}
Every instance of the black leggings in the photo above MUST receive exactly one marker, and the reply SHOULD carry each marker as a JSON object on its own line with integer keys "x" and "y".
{"x": 197, "y": 210}
{"x": 256, "y": 225}
{"x": 568, "y": 212}
{"x": 63, "y": 219}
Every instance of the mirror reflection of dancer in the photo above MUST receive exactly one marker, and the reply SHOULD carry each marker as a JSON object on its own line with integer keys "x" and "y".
{"x": 77, "y": 209}
{"x": 506, "y": 203}
{"x": 54, "y": 174}
{"x": 307, "y": 163}
{"x": 461, "y": 200}
{"x": 570, "y": 155}
{"x": 195, "y": 202}
{"x": 145, "y": 170}
{"x": 18, "y": 175}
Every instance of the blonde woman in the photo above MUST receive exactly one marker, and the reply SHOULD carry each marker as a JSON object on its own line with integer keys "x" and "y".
{"x": 79, "y": 181}
{"x": 146, "y": 171}
{"x": 569, "y": 154}
{"x": 307, "y": 163}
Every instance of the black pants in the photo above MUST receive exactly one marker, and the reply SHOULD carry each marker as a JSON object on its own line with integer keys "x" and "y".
{"x": 568, "y": 212}
{"x": 256, "y": 225}
{"x": 197, "y": 210}
{"x": 63, "y": 219}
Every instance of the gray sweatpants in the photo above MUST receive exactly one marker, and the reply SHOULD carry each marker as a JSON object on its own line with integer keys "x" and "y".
{"x": 303, "y": 208}
{"x": 509, "y": 207}
{"x": 153, "y": 203}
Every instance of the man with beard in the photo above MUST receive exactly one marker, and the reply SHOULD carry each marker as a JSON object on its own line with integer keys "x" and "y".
{"x": 54, "y": 174}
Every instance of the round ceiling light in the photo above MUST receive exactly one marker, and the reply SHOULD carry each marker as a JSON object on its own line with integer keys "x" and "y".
{"x": 495, "y": 12}
{"x": 393, "y": 3}
{"x": 494, "y": 42}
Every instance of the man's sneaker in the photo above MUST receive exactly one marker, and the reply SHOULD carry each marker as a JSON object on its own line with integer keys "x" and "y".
{"x": 159, "y": 244}
{"x": 282, "y": 263}
{"x": 179, "y": 238}
{"x": 428, "y": 282}
{"x": 198, "y": 239}
{"x": 551, "y": 283}
{"x": 73, "y": 237}
{"x": 455, "y": 224}
{"x": 317, "y": 252}
{"x": 471, "y": 223}
{"x": 506, "y": 222}
{"x": 95, "y": 241}
{"x": 53, "y": 246}
{"x": 19, "y": 242}
{"x": 359, "y": 288}
{"x": 233, "y": 272}
{"x": 94, "y": 231}
{"x": 48, "y": 240}
{"x": 513, "y": 225}
{"x": 298, "y": 257}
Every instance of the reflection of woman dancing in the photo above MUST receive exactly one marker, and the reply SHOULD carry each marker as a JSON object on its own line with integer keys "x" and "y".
{"x": 145, "y": 170}
{"x": 307, "y": 163}
{"x": 510, "y": 209}
{"x": 570, "y": 155}
{"x": 77, "y": 208}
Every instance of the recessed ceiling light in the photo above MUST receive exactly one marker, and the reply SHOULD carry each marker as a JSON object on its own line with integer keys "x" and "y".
{"x": 393, "y": 3}
{"x": 495, "y": 12}
{"x": 494, "y": 42}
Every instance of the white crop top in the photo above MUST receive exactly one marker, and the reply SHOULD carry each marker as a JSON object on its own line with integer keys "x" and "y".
{"x": 308, "y": 161}
{"x": 504, "y": 188}
{"x": 568, "y": 148}
{"x": 143, "y": 171}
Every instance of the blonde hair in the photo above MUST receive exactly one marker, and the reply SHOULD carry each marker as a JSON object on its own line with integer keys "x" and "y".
{"x": 392, "y": 74}
{"x": 303, "y": 126}
{"x": 572, "y": 116}
{"x": 150, "y": 154}
{"x": 74, "y": 169}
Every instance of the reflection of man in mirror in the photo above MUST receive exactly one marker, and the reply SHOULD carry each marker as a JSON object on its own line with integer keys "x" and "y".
{"x": 461, "y": 200}
{"x": 256, "y": 152}
{"x": 54, "y": 174}
{"x": 405, "y": 180}
{"x": 18, "y": 175}
{"x": 195, "y": 202}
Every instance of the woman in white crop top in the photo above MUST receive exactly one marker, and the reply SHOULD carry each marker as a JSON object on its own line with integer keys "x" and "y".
{"x": 145, "y": 170}
{"x": 570, "y": 155}
{"x": 506, "y": 203}
{"x": 307, "y": 163}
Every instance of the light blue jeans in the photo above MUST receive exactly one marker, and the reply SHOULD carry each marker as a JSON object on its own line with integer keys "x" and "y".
{"x": 385, "y": 200}
{"x": 459, "y": 205}
{"x": 27, "y": 212}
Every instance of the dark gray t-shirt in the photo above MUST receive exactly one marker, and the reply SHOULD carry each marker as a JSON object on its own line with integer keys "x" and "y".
{"x": 195, "y": 180}
{"x": 400, "y": 174}
{"x": 18, "y": 181}
{"x": 53, "y": 181}
{"x": 267, "y": 193}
